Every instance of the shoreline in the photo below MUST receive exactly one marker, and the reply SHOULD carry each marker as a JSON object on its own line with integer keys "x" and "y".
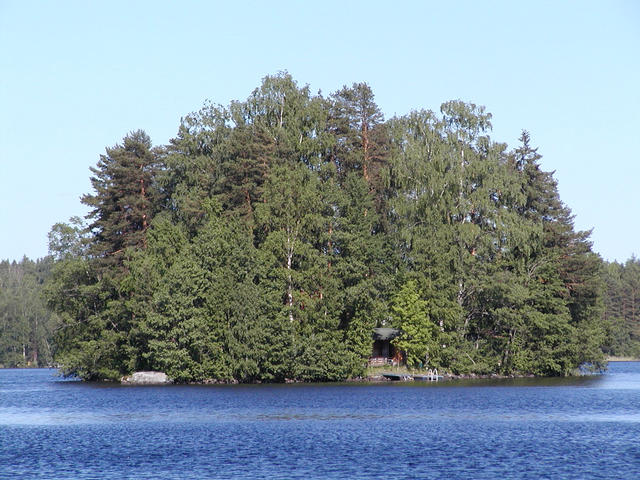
{"x": 372, "y": 377}
{"x": 444, "y": 377}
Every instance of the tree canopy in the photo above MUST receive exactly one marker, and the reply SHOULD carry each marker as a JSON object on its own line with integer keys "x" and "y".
{"x": 270, "y": 236}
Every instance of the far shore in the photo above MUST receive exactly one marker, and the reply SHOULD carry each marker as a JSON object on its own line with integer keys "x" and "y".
{"x": 623, "y": 359}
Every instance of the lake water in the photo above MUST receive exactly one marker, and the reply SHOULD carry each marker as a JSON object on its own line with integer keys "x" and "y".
{"x": 574, "y": 428}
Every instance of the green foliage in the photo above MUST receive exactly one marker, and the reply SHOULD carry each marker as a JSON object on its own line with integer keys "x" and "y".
{"x": 26, "y": 325}
{"x": 419, "y": 339}
{"x": 124, "y": 200}
{"x": 92, "y": 333}
{"x": 68, "y": 240}
{"x": 269, "y": 238}
{"x": 622, "y": 308}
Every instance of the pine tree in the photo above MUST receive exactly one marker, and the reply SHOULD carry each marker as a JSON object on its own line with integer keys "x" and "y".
{"x": 124, "y": 200}
{"x": 362, "y": 140}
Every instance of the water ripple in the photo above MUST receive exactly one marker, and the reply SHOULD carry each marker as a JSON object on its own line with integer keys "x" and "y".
{"x": 483, "y": 430}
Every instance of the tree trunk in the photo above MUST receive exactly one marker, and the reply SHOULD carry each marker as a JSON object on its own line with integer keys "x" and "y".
{"x": 507, "y": 350}
{"x": 365, "y": 150}
{"x": 289, "y": 277}
{"x": 34, "y": 355}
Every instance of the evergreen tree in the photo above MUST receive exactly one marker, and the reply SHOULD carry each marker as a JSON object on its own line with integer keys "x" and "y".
{"x": 567, "y": 260}
{"x": 87, "y": 289}
{"x": 361, "y": 138}
{"x": 124, "y": 200}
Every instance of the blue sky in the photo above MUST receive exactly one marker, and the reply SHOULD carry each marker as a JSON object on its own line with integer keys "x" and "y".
{"x": 76, "y": 76}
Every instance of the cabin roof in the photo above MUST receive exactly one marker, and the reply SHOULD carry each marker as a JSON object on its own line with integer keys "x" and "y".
{"x": 384, "y": 333}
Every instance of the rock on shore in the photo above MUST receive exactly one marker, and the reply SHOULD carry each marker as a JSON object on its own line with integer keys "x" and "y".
{"x": 146, "y": 378}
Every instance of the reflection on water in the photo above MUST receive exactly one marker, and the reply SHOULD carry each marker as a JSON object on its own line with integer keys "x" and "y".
{"x": 584, "y": 427}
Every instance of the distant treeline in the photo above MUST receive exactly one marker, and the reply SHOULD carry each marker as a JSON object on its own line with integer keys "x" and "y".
{"x": 269, "y": 238}
{"x": 622, "y": 308}
{"x": 26, "y": 324}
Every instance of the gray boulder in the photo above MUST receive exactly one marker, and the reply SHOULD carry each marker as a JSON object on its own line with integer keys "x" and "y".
{"x": 146, "y": 378}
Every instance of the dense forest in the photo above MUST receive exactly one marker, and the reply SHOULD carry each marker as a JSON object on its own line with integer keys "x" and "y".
{"x": 622, "y": 308}
{"x": 26, "y": 324}
{"x": 270, "y": 236}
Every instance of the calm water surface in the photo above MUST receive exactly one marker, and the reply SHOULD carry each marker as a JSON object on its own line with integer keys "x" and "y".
{"x": 529, "y": 428}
